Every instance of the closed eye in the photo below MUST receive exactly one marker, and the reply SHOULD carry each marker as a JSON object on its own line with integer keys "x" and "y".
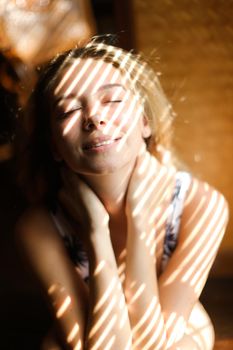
{"x": 66, "y": 114}
{"x": 113, "y": 101}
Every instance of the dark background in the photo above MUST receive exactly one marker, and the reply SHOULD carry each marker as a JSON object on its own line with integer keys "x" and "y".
{"x": 24, "y": 317}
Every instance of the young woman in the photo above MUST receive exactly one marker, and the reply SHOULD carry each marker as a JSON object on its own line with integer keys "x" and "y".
{"x": 120, "y": 241}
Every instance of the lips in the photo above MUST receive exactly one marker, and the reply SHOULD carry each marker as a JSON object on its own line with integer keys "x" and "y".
{"x": 99, "y": 142}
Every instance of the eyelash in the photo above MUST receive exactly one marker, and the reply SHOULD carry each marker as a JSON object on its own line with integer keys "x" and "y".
{"x": 66, "y": 114}
{"x": 113, "y": 101}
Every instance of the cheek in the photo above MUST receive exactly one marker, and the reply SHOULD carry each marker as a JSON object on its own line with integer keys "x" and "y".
{"x": 129, "y": 118}
{"x": 71, "y": 126}
{"x": 133, "y": 122}
{"x": 66, "y": 135}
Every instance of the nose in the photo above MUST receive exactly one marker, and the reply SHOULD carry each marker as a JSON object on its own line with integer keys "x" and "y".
{"x": 93, "y": 118}
{"x": 90, "y": 124}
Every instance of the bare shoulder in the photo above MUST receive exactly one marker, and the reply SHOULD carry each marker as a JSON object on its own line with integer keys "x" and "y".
{"x": 33, "y": 216}
{"x": 44, "y": 250}
{"x": 37, "y": 236}
{"x": 202, "y": 195}
{"x": 202, "y": 227}
{"x": 47, "y": 258}
{"x": 205, "y": 209}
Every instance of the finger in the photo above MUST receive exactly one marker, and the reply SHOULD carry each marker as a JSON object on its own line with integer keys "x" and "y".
{"x": 164, "y": 155}
{"x": 80, "y": 190}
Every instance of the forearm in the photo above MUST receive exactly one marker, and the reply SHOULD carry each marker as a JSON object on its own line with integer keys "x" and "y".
{"x": 108, "y": 321}
{"x": 141, "y": 292}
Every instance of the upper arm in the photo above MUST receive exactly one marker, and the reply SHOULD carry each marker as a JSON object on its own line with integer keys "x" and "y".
{"x": 47, "y": 257}
{"x": 202, "y": 228}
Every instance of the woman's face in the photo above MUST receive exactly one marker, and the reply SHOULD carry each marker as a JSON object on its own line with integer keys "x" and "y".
{"x": 97, "y": 122}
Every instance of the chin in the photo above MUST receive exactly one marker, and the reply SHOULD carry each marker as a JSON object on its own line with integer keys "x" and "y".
{"x": 104, "y": 168}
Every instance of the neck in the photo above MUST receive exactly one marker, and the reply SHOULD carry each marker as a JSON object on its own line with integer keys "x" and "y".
{"x": 111, "y": 189}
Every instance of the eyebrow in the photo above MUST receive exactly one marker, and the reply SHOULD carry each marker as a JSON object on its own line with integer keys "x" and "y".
{"x": 101, "y": 88}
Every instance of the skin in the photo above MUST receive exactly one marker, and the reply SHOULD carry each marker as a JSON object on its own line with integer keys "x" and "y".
{"x": 112, "y": 186}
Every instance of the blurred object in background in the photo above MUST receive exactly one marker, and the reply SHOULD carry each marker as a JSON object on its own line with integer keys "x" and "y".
{"x": 31, "y": 33}
{"x": 36, "y": 30}
{"x": 16, "y": 80}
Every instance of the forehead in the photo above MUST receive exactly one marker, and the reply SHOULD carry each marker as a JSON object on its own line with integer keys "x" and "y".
{"x": 86, "y": 76}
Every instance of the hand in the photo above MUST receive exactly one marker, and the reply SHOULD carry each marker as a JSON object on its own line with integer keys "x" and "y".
{"x": 150, "y": 187}
{"x": 82, "y": 204}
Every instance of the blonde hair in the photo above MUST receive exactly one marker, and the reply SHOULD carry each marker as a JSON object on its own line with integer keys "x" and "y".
{"x": 142, "y": 78}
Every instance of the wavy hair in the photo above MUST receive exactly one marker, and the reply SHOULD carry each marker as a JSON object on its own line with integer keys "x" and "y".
{"x": 38, "y": 171}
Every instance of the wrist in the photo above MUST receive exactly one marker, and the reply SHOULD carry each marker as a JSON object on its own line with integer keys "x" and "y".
{"x": 101, "y": 251}
{"x": 134, "y": 224}
{"x": 98, "y": 239}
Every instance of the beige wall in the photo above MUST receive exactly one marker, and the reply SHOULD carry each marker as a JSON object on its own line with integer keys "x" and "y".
{"x": 194, "y": 51}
